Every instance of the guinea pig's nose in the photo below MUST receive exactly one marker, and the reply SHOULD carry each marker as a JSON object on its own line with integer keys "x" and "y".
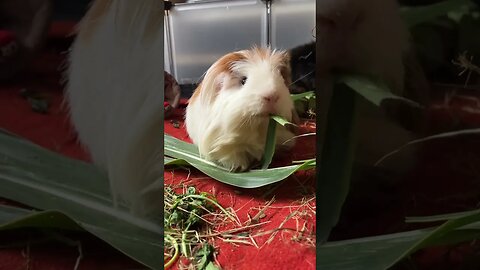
{"x": 272, "y": 98}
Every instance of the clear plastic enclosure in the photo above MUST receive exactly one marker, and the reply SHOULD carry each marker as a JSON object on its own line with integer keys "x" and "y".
{"x": 293, "y": 23}
{"x": 198, "y": 33}
{"x": 202, "y": 32}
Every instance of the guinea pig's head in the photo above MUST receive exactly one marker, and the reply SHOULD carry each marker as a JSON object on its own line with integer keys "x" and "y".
{"x": 248, "y": 84}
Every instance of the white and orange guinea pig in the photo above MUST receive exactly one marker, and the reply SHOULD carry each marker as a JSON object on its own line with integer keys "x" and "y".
{"x": 228, "y": 114}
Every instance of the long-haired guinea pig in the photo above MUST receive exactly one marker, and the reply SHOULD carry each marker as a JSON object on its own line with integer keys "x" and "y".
{"x": 228, "y": 114}
{"x": 115, "y": 96}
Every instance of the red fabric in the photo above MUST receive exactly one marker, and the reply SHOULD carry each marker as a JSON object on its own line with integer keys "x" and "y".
{"x": 7, "y": 43}
{"x": 282, "y": 252}
{"x": 6, "y": 37}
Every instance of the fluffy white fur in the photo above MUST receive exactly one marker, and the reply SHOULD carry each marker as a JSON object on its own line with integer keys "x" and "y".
{"x": 114, "y": 92}
{"x": 227, "y": 120}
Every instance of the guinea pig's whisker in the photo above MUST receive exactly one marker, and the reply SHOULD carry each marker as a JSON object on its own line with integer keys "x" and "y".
{"x": 308, "y": 74}
{"x": 250, "y": 120}
{"x": 246, "y": 121}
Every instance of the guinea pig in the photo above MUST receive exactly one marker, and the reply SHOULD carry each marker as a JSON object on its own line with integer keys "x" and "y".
{"x": 228, "y": 114}
{"x": 172, "y": 93}
{"x": 115, "y": 98}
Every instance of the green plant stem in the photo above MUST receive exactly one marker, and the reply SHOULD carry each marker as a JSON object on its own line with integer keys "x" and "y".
{"x": 175, "y": 255}
{"x": 270, "y": 142}
{"x": 213, "y": 202}
{"x": 184, "y": 238}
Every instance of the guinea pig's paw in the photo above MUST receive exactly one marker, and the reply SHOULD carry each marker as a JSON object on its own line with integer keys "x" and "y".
{"x": 235, "y": 162}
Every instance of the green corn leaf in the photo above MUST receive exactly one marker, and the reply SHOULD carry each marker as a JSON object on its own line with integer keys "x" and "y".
{"x": 304, "y": 95}
{"x": 252, "y": 179}
{"x": 269, "y": 144}
{"x": 34, "y": 176}
{"x": 370, "y": 253}
{"x": 282, "y": 121}
{"x": 443, "y": 217}
{"x": 382, "y": 252}
{"x": 418, "y": 15}
{"x": 15, "y": 218}
{"x": 373, "y": 91}
{"x": 337, "y": 159}
{"x": 9, "y": 213}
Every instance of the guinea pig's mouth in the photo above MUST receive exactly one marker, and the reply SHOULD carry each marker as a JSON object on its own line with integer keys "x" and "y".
{"x": 267, "y": 111}
{"x": 263, "y": 114}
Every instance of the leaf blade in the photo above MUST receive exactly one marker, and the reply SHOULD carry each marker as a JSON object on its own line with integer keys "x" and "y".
{"x": 417, "y": 15}
{"x": 337, "y": 160}
{"x": 251, "y": 179}
{"x": 270, "y": 142}
{"x": 38, "y": 177}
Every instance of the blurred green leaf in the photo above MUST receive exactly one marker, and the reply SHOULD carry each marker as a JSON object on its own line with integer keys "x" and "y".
{"x": 9, "y": 213}
{"x": 370, "y": 253}
{"x": 442, "y": 217}
{"x": 15, "y": 218}
{"x": 370, "y": 89}
{"x": 382, "y": 252}
{"x": 337, "y": 159}
{"x": 304, "y": 95}
{"x": 417, "y": 15}
{"x": 46, "y": 180}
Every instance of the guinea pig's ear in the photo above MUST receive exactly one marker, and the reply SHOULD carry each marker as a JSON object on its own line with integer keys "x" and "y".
{"x": 285, "y": 68}
{"x": 215, "y": 77}
{"x": 211, "y": 84}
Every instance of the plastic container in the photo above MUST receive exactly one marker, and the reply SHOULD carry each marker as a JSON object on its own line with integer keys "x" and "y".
{"x": 198, "y": 33}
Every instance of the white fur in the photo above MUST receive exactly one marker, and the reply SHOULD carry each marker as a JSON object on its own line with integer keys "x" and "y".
{"x": 230, "y": 128}
{"x": 115, "y": 96}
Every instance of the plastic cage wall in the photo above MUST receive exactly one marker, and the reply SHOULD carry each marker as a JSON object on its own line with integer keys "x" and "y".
{"x": 197, "y": 33}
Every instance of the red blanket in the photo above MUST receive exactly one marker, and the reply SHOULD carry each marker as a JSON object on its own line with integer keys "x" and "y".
{"x": 289, "y": 210}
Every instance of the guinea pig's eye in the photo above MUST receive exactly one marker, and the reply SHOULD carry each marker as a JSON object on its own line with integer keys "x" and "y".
{"x": 243, "y": 80}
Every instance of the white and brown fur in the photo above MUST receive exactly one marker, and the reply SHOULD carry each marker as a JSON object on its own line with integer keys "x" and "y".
{"x": 227, "y": 120}
{"x": 115, "y": 95}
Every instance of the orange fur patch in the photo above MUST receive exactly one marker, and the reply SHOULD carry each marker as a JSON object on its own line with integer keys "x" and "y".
{"x": 195, "y": 93}
{"x": 223, "y": 65}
